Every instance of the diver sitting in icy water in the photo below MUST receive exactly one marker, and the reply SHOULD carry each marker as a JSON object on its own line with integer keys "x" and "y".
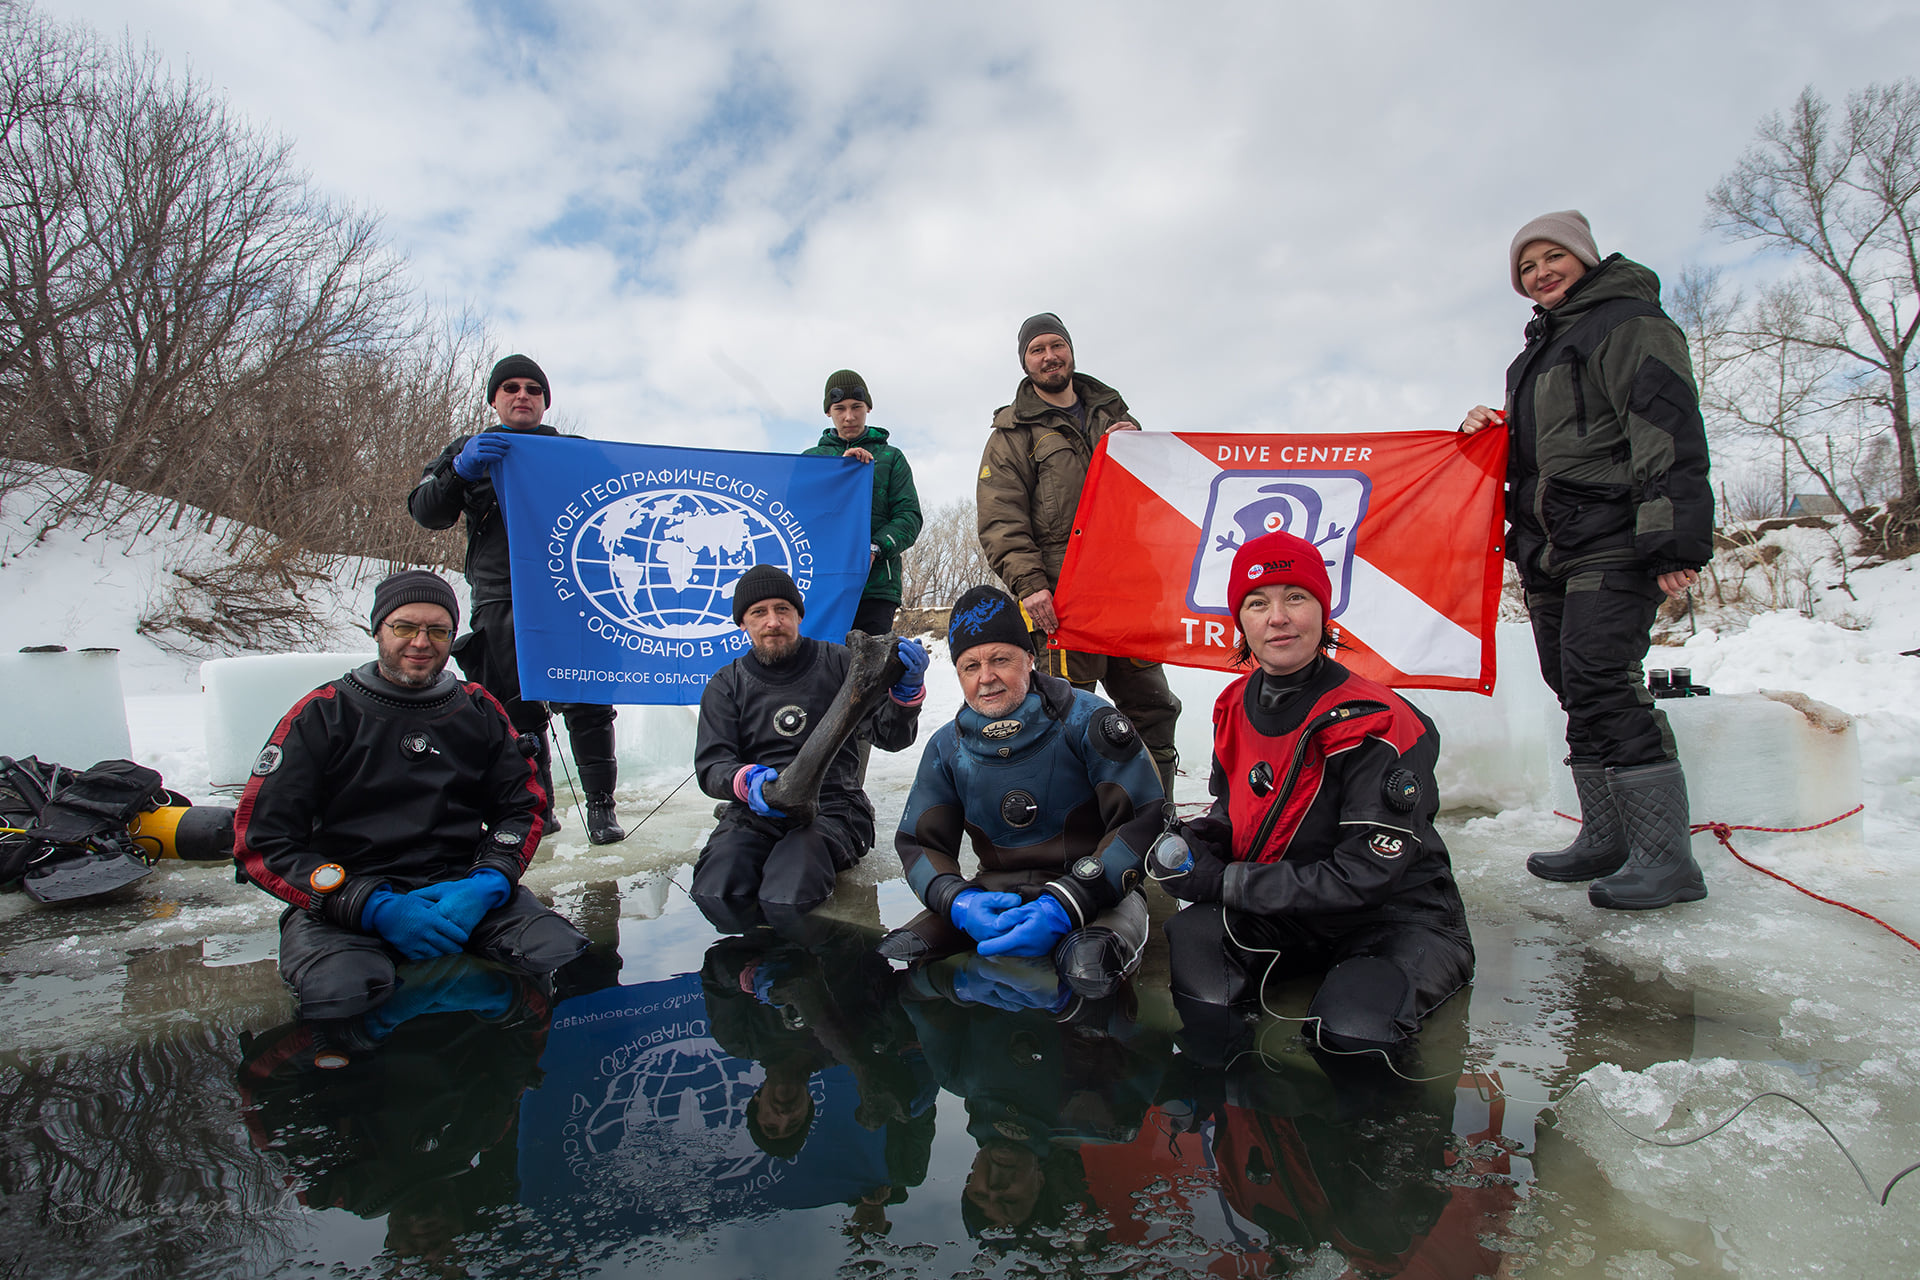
{"x": 395, "y": 810}
{"x": 1319, "y": 854}
{"x": 782, "y": 841}
{"x": 1060, "y": 798}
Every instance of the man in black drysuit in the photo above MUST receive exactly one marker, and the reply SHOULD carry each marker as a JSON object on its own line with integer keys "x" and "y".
{"x": 759, "y": 866}
{"x": 459, "y": 482}
{"x": 394, "y": 810}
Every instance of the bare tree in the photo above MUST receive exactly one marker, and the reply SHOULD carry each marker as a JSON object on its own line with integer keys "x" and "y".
{"x": 186, "y": 322}
{"x": 1843, "y": 196}
{"x": 946, "y": 559}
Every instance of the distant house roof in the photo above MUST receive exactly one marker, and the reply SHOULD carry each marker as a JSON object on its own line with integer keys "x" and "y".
{"x": 1814, "y": 504}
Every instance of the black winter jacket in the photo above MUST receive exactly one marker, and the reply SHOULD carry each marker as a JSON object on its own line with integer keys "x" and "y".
{"x": 442, "y": 497}
{"x": 398, "y": 786}
{"x": 1608, "y": 464}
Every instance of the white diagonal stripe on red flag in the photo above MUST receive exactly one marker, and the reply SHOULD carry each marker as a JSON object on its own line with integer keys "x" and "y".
{"x": 1177, "y": 473}
{"x": 1404, "y": 629}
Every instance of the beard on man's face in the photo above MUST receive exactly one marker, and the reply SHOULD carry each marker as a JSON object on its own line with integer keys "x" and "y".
{"x": 1054, "y": 379}
{"x": 775, "y": 648}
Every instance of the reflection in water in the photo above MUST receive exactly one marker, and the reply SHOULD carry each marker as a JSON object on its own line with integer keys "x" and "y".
{"x": 1039, "y": 1086}
{"x": 490, "y": 1123}
{"x": 410, "y": 1112}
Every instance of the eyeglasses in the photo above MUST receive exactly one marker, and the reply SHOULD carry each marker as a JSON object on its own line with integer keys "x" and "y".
{"x": 836, "y": 394}
{"x": 515, "y": 388}
{"x": 408, "y": 630}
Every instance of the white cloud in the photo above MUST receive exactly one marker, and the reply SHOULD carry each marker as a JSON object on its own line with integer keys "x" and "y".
{"x": 1249, "y": 215}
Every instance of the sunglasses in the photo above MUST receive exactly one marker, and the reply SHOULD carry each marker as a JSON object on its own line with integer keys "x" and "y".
{"x": 408, "y": 630}
{"x": 836, "y": 394}
{"x": 515, "y": 388}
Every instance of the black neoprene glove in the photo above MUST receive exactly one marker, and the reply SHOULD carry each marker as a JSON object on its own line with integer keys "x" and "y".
{"x": 1202, "y": 881}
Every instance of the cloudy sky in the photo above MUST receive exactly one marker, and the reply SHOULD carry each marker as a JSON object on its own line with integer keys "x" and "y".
{"x": 1252, "y": 216}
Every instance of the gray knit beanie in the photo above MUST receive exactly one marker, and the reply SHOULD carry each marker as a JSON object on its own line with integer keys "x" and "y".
{"x": 1033, "y": 326}
{"x": 1568, "y": 228}
{"x": 413, "y": 586}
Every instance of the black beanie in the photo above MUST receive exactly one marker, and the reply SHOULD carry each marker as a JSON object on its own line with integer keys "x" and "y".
{"x": 764, "y": 582}
{"x": 414, "y": 586}
{"x": 851, "y": 387}
{"x": 1034, "y": 326}
{"x": 518, "y": 366}
{"x": 985, "y": 615}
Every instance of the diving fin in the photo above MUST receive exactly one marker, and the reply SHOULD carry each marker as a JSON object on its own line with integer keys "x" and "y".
{"x": 100, "y": 869}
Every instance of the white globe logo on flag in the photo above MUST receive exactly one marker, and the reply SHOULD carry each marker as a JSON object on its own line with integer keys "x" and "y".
{"x": 664, "y": 562}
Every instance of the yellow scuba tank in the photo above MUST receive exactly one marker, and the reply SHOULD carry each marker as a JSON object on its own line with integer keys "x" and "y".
{"x": 192, "y": 833}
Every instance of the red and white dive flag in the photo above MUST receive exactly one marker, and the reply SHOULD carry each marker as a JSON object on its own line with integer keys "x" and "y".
{"x": 1409, "y": 523}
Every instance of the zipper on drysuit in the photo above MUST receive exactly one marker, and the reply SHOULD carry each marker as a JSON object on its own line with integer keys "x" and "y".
{"x": 1326, "y": 719}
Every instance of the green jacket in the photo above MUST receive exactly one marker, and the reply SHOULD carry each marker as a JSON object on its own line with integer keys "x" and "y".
{"x": 1608, "y": 460}
{"x": 896, "y": 506}
{"x": 1031, "y": 473}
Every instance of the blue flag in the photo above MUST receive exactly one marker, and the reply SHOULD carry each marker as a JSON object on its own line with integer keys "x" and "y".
{"x": 625, "y": 556}
{"x": 639, "y": 1124}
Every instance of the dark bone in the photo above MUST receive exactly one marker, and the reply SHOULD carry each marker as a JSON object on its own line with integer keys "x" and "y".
{"x": 876, "y": 667}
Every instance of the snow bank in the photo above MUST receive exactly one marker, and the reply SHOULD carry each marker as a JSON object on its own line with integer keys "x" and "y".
{"x": 83, "y": 584}
{"x": 1503, "y": 750}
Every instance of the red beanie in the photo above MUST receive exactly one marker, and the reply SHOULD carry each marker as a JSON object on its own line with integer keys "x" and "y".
{"x": 1279, "y": 559}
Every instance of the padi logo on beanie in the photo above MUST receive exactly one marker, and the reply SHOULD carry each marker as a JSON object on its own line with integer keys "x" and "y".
{"x": 1257, "y": 570}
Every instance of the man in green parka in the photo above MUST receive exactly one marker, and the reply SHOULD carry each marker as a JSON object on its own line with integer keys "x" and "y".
{"x": 896, "y": 507}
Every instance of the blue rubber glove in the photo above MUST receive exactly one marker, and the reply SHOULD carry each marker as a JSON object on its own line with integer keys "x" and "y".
{"x": 474, "y": 461}
{"x": 970, "y": 988}
{"x": 1014, "y": 985}
{"x": 758, "y": 776}
{"x": 979, "y": 912}
{"x": 413, "y": 925}
{"x": 765, "y": 975}
{"x": 915, "y": 657}
{"x": 465, "y": 902}
{"x": 1030, "y": 930}
{"x": 453, "y": 985}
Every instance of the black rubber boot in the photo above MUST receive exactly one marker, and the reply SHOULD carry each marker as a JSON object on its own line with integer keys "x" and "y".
{"x": 1093, "y": 960}
{"x": 904, "y": 945}
{"x": 603, "y": 827}
{"x": 593, "y": 756}
{"x": 1599, "y": 848}
{"x": 1660, "y": 869}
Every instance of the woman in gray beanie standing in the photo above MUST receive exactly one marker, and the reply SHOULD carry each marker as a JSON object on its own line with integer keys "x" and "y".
{"x": 1608, "y": 512}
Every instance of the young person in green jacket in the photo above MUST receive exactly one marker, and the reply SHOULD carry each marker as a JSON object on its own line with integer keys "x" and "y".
{"x": 896, "y": 507}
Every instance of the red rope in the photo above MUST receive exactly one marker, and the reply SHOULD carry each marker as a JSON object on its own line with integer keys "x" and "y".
{"x": 1723, "y": 831}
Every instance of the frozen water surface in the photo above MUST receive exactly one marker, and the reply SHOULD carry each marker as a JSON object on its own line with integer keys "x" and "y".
{"x": 163, "y": 1116}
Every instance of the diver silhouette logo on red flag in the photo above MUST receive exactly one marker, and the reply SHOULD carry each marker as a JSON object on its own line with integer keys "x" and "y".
{"x": 1325, "y": 509}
